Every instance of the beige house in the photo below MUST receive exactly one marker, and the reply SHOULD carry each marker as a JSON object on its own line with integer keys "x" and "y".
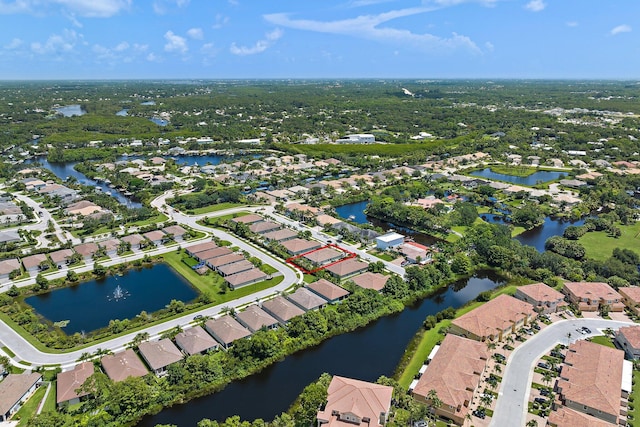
{"x": 590, "y": 296}
{"x": 591, "y": 381}
{"x": 195, "y": 341}
{"x": 123, "y": 365}
{"x": 68, "y": 382}
{"x": 226, "y": 330}
{"x": 543, "y": 298}
{"x": 631, "y": 298}
{"x": 628, "y": 339}
{"x": 454, "y": 373}
{"x": 160, "y": 354}
{"x": 494, "y": 320}
{"x": 352, "y": 402}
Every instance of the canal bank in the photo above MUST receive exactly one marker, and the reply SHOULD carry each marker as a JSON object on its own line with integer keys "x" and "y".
{"x": 365, "y": 353}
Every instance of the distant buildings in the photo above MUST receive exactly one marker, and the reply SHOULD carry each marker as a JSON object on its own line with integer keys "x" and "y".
{"x": 357, "y": 138}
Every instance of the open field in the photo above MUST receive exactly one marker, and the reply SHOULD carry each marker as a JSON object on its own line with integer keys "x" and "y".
{"x": 600, "y": 246}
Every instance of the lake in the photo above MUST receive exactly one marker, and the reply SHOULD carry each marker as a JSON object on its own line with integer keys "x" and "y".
{"x": 71, "y": 110}
{"x": 91, "y": 305}
{"x": 364, "y": 354}
{"x": 63, "y": 170}
{"x": 355, "y": 213}
{"x": 533, "y": 179}
{"x": 159, "y": 121}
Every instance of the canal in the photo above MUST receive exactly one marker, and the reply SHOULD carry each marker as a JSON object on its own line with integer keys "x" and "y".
{"x": 365, "y": 354}
{"x": 529, "y": 180}
{"x": 91, "y": 305}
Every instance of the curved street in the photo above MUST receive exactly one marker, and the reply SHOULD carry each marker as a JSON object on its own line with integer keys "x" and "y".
{"x": 26, "y": 352}
{"x": 511, "y": 406}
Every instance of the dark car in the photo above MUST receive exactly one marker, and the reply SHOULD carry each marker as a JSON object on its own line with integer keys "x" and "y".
{"x": 544, "y": 392}
{"x": 587, "y": 330}
{"x": 197, "y": 317}
{"x": 540, "y": 400}
{"x": 536, "y": 327}
{"x": 543, "y": 365}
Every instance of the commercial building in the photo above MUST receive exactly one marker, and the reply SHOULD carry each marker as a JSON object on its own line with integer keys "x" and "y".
{"x": 389, "y": 240}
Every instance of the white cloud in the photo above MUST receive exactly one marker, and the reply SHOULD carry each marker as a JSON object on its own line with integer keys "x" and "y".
{"x": 489, "y": 46}
{"x": 260, "y": 46}
{"x": 89, "y": 8}
{"x": 209, "y": 49}
{"x": 220, "y": 21}
{"x": 175, "y": 43}
{"x": 121, "y": 47}
{"x": 195, "y": 33}
{"x": 152, "y": 57}
{"x": 624, "y": 28}
{"x": 368, "y": 27}
{"x": 161, "y": 7}
{"x": 14, "y": 44}
{"x": 572, "y": 24}
{"x": 536, "y": 5}
{"x": 57, "y": 43}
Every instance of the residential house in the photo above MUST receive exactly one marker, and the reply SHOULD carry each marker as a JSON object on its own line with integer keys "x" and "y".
{"x": 217, "y": 262}
{"x": 34, "y": 263}
{"x": 389, "y": 240}
{"x": 628, "y": 339}
{"x": 454, "y": 373}
{"x": 369, "y": 280}
{"x": 248, "y": 219}
{"x": 160, "y": 354}
{"x": 110, "y": 246}
{"x": 234, "y": 268}
{"x": 323, "y": 256}
{"x": 86, "y": 250}
{"x": 135, "y": 240}
{"x": 327, "y": 290}
{"x": 255, "y": 318}
{"x": 282, "y": 309}
{"x": 15, "y": 390}
{"x": 9, "y": 236}
{"x": 123, "y": 365}
{"x": 494, "y": 320}
{"x": 543, "y": 298}
{"x": 208, "y": 254}
{"x": 280, "y": 235}
{"x": 299, "y": 246}
{"x": 82, "y": 208}
{"x": 178, "y": 232}
{"x": 69, "y": 382}
{"x": 7, "y": 266}
{"x": 156, "y": 237}
{"x": 226, "y": 330}
{"x": 325, "y": 219}
{"x": 61, "y": 258}
{"x": 591, "y": 381}
{"x": 592, "y": 296}
{"x": 245, "y": 278}
{"x": 631, "y": 298}
{"x": 200, "y": 247}
{"x": 195, "y": 341}
{"x": 264, "y": 227}
{"x": 306, "y": 299}
{"x": 347, "y": 268}
{"x": 354, "y": 402}
{"x": 565, "y": 417}
{"x": 415, "y": 253}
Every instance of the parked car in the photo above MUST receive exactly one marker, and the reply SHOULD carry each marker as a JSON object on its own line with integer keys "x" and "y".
{"x": 580, "y": 331}
{"x": 540, "y": 400}
{"x": 536, "y": 327}
{"x": 197, "y": 317}
{"x": 544, "y": 392}
{"x": 544, "y": 365}
{"x": 587, "y": 330}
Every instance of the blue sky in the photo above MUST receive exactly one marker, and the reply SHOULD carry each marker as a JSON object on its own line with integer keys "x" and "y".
{"x": 153, "y": 39}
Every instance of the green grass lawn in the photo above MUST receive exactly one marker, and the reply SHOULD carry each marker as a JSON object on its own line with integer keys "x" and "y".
{"x": 600, "y": 246}
{"x": 216, "y": 207}
{"x": 522, "y": 171}
{"x": 634, "y": 399}
{"x": 382, "y": 255}
{"x": 50, "y": 403}
{"x": 160, "y": 217}
{"x": 210, "y": 283}
{"x": 29, "y": 409}
{"x": 603, "y": 340}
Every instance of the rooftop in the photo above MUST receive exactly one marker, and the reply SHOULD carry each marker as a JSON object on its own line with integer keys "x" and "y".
{"x": 68, "y": 382}
{"x": 328, "y": 290}
{"x": 195, "y": 340}
{"x": 227, "y": 329}
{"x": 160, "y": 354}
{"x": 13, "y": 387}
{"x": 123, "y": 365}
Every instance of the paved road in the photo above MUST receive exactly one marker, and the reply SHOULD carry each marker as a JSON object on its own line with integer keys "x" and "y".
{"x": 24, "y": 351}
{"x": 511, "y": 406}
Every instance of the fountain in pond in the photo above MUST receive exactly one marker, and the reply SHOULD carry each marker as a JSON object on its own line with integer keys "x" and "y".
{"x": 119, "y": 294}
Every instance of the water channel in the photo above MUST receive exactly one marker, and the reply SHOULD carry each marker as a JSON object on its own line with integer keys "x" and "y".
{"x": 71, "y": 110}
{"x": 533, "y": 179}
{"x": 91, "y": 305}
{"x": 364, "y": 354}
{"x": 355, "y": 213}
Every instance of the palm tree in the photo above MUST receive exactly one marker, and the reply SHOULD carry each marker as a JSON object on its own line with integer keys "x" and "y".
{"x": 497, "y": 368}
{"x": 486, "y": 399}
{"x": 532, "y": 423}
{"x": 435, "y": 401}
{"x": 547, "y": 377}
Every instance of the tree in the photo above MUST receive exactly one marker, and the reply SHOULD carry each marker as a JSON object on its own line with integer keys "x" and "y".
{"x": 138, "y": 339}
{"x": 72, "y": 276}
{"x": 434, "y": 403}
{"x": 99, "y": 270}
{"x": 41, "y": 282}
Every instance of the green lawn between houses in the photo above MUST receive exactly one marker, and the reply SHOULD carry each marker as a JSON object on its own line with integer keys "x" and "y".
{"x": 600, "y": 246}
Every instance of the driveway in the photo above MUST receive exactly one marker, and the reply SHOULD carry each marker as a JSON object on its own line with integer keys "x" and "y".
{"x": 511, "y": 408}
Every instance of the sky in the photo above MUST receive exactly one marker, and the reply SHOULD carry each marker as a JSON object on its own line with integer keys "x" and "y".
{"x": 306, "y": 39}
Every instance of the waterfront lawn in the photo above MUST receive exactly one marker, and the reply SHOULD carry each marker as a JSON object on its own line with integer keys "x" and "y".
{"x": 521, "y": 171}
{"x": 180, "y": 262}
{"x": 160, "y": 217}
{"x": 382, "y": 255}
{"x": 600, "y": 246}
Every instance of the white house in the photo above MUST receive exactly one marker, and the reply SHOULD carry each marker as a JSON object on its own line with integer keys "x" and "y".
{"x": 357, "y": 138}
{"x": 389, "y": 240}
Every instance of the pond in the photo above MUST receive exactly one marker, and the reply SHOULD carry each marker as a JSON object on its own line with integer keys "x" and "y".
{"x": 91, "y": 305}
{"x": 159, "y": 121}
{"x": 364, "y": 354}
{"x": 533, "y": 179}
{"x": 71, "y": 110}
{"x": 64, "y": 170}
{"x": 355, "y": 213}
{"x": 538, "y": 235}
{"x": 123, "y": 113}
